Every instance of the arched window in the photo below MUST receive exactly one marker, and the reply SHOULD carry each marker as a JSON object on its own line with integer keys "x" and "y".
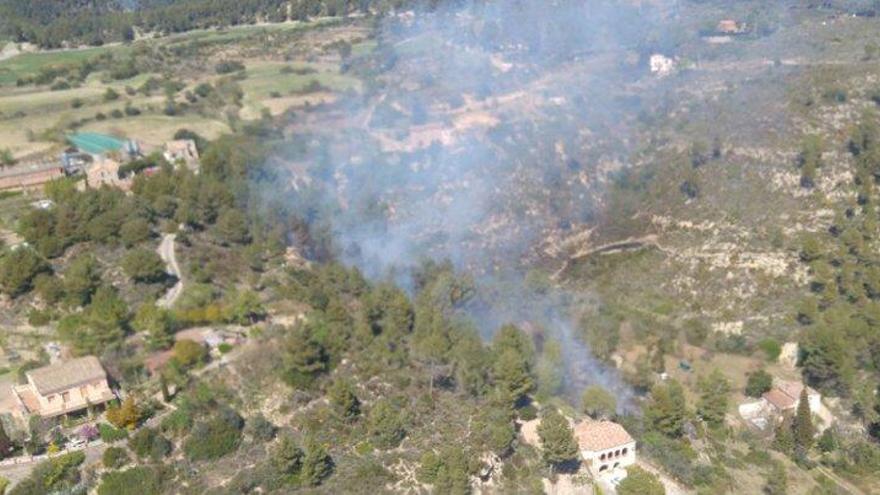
{"x": 625, "y": 450}
{"x": 602, "y": 457}
{"x": 604, "y": 467}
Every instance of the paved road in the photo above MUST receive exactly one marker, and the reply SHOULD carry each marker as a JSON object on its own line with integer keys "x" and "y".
{"x": 166, "y": 251}
{"x": 17, "y": 472}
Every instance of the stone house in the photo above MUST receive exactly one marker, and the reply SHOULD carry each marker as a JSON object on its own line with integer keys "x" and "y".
{"x": 781, "y": 401}
{"x": 605, "y": 446}
{"x": 785, "y": 397}
{"x": 63, "y": 388}
{"x": 105, "y": 171}
{"x": 182, "y": 151}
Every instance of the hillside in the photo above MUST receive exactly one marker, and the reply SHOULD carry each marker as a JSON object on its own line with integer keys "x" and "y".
{"x": 490, "y": 247}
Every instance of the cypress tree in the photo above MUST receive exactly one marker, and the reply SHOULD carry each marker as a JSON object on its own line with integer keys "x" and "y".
{"x": 5, "y": 443}
{"x": 803, "y": 423}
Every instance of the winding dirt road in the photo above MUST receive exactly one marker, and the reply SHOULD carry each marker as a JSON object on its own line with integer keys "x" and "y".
{"x": 166, "y": 251}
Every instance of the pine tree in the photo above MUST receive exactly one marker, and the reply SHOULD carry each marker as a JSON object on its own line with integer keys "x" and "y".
{"x": 287, "y": 457}
{"x": 667, "y": 411}
{"x": 317, "y": 464}
{"x": 344, "y": 400}
{"x": 386, "y": 425}
{"x": 557, "y": 439}
{"x": 512, "y": 375}
{"x": 304, "y": 359}
{"x": 803, "y": 423}
{"x": 714, "y": 398}
{"x": 596, "y": 402}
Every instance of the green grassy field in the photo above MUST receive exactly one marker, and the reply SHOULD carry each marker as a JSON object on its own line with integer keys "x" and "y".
{"x": 30, "y": 63}
{"x": 33, "y": 118}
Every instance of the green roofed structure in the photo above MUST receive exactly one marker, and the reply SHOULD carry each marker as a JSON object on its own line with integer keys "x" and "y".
{"x": 99, "y": 144}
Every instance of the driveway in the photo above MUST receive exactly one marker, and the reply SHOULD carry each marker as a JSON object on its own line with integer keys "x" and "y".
{"x": 167, "y": 253}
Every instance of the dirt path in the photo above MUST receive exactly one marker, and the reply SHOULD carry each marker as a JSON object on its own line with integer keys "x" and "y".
{"x": 166, "y": 251}
{"x": 846, "y": 485}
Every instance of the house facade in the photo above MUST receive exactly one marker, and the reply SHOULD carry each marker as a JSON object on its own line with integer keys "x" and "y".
{"x": 182, "y": 151}
{"x": 605, "y": 446}
{"x": 63, "y": 388}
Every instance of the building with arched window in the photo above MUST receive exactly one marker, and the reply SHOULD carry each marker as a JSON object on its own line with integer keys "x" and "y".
{"x": 605, "y": 446}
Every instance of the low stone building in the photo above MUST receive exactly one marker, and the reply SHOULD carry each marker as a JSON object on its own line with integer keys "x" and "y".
{"x": 104, "y": 171}
{"x": 28, "y": 177}
{"x": 605, "y": 446}
{"x": 63, "y": 388}
{"x": 782, "y": 401}
{"x": 182, "y": 151}
{"x": 785, "y": 396}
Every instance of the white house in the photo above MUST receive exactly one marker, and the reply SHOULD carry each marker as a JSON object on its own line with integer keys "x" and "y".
{"x": 661, "y": 65}
{"x": 605, "y": 446}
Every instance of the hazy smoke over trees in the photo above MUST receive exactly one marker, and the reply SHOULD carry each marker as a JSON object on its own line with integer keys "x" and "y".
{"x": 483, "y": 131}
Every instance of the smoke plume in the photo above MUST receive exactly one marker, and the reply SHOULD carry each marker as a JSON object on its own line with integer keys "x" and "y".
{"x": 484, "y": 129}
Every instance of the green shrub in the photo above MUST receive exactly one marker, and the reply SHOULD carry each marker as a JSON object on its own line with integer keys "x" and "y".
{"x": 114, "y": 457}
{"x": 177, "y": 423}
{"x": 228, "y": 66}
{"x": 771, "y": 347}
{"x": 110, "y": 434}
{"x": 139, "y": 480}
{"x": 39, "y": 318}
{"x": 214, "y": 438}
{"x": 527, "y": 413}
{"x": 147, "y": 442}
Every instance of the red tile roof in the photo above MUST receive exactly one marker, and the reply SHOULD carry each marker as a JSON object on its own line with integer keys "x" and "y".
{"x": 786, "y": 394}
{"x": 779, "y": 399}
{"x": 600, "y": 435}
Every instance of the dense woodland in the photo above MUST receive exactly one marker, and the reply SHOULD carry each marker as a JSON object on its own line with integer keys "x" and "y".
{"x": 52, "y": 24}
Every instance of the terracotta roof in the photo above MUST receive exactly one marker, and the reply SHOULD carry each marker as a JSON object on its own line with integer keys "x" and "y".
{"x": 600, "y": 435}
{"x": 780, "y": 399}
{"x": 793, "y": 389}
{"x": 728, "y": 26}
{"x": 69, "y": 374}
{"x": 28, "y": 399}
{"x": 155, "y": 362}
{"x": 786, "y": 394}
